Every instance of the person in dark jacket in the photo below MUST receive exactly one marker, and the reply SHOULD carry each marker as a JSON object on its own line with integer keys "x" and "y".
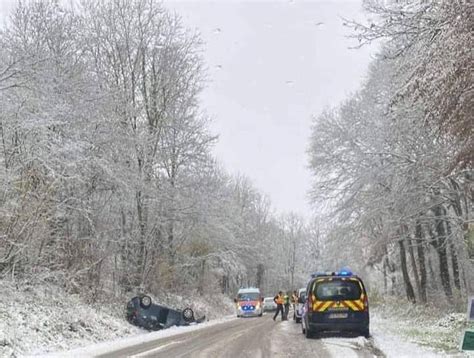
{"x": 278, "y": 299}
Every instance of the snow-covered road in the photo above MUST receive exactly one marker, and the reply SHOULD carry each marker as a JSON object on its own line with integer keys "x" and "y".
{"x": 254, "y": 337}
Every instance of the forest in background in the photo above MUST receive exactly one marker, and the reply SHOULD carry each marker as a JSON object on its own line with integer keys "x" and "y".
{"x": 109, "y": 185}
{"x": 108, "y": 182}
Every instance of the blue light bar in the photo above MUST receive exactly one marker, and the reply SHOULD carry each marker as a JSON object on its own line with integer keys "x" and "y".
{"x": 345, "y": 272}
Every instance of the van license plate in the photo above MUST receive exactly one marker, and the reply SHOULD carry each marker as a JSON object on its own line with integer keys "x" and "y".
{"x": 337, "y": 315}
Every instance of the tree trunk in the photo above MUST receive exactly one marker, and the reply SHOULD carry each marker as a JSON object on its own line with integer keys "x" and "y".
{"x": 421, "y": 260}
{"x": 141, "y": 255}
{"x": 171, "y": 253}
{"x": 444, "y": 271}
{"x": 292, "y": 264}
{"x": 124, "y": 279}
{"x": 434, "y": 281}
{"x": 403, "y": 263}
{"x": 391, "y": 270}
{"x": 224, "y": 284}
{"x": 260, "y": 273}
{"x": 454, "y": 258}
{"x": 440, "y": 245}
{"x": 385, "y": 282}
{"x": 202, "y": 277}
{"x": 414, "y": 266}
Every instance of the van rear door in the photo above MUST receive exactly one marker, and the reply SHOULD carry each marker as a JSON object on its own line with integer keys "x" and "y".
{"x": 338, "y": 299}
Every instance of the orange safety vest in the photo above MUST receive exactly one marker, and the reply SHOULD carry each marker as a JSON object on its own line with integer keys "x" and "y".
{"x": 279, "y": 300}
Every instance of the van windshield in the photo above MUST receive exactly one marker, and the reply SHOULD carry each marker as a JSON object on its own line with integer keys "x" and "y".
{"x": 337, "y": 290}
{"x": 251, "y": 296}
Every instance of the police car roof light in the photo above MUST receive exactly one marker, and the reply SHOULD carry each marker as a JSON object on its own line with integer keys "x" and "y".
{"x": 344, "y": 272}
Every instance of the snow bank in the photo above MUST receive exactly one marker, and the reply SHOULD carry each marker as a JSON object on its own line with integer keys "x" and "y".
{"x": 110, "y": 346}
{"x": 40, "y": 318}
{"x": 424, "y": 325}
{"x": 213, "y": 306}
{"x": 395, "y": 346}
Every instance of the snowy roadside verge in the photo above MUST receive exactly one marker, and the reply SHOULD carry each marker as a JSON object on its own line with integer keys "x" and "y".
{"x": 438, "y": 333}
{"x": 117, "y": 344}
{"x": 38, "y": 318}
{"x": 383, "y": 343}
{"x": 394, "y": 346}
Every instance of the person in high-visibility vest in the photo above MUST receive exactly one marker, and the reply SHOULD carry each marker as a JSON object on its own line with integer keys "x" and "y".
{"x": 286, "y": 303}
{"x": 278, "y": 299}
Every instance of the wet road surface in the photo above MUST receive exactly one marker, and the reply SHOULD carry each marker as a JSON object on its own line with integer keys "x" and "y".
{"x": 251, "y": 337}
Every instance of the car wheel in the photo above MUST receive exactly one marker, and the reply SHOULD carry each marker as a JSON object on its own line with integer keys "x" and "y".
{"x": 308, "y": 333}
{"x": 188, "y": 315}
{"x": 145, "y": 302}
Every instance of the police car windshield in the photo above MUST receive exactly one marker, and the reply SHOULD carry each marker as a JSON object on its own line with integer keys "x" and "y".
{"x": 337, "y": 290}
{"x": 248, "y": 296}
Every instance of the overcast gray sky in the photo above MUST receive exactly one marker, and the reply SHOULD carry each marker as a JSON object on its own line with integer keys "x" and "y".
{"x": 271, "y": 66}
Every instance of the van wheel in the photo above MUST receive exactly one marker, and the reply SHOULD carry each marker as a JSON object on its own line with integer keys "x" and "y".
{"x": 308, "y": 333}
{"x": 365, "y": 332}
